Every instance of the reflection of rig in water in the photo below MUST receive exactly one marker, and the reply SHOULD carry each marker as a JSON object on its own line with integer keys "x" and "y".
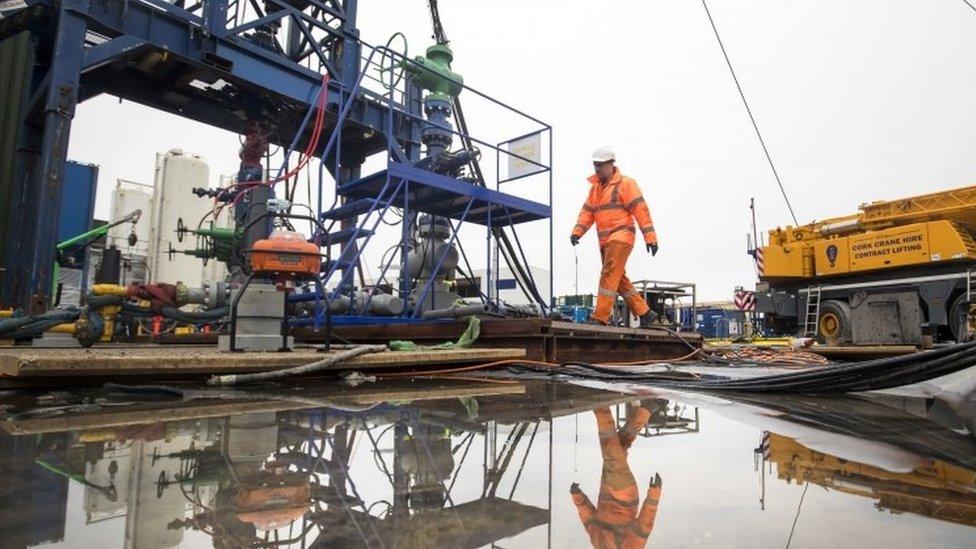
{"x": 933, "y": 489}
{"x": 356, "y": 472}
{"x": 667, "y": 418}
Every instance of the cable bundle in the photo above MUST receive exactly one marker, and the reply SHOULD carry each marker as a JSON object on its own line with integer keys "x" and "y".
{"x": 869, "y": 375}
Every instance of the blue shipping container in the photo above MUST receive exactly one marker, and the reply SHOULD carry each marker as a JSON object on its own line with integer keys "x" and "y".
{"x": 77, "y": 201}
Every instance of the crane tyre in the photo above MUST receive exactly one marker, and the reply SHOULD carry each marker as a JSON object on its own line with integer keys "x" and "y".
{"x": 834, "y": 322}
{"x": 957, "y": 317}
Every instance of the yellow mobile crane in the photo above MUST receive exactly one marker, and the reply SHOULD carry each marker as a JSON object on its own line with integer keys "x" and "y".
{"x": 893, "y": 273}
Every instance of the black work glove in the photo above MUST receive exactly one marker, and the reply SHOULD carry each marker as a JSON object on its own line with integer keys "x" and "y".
{"x": 656, "y": 481}
{"x": 653, "y": 249}
{"x": 574, "y": 240}
{"x": 574, "y": 488}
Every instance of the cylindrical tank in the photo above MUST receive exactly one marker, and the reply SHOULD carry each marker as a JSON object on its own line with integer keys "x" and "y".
{"x": 127, "y": 197}
{"x": 808, "y": 262}
{"x": 177, "y": 173}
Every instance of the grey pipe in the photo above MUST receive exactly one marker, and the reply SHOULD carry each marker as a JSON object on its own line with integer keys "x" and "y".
{"x": 458, "y": 311}
{"x": 380, "y": 305}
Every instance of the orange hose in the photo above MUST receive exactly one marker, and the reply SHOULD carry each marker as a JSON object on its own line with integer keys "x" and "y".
{"x": 645, "y": 362}
{"x": 305, "y": 157}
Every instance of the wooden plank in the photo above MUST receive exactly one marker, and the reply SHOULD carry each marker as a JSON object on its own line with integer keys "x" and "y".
{"x": 543, "y": 339}
{"x": 608, "y": 349}
{"x": 862, "y": 352}
{"x": 490, "y": 328}
{"x": 167, "y": 360}
{"x": 318, "y": 396}
{"x": 584, "y": 330}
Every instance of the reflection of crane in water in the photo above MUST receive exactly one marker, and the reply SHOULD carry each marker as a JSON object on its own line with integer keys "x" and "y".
{"x": 934, "y": 488}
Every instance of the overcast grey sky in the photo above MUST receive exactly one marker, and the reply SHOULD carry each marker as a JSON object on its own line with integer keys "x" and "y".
{"x": 858, "y": 100}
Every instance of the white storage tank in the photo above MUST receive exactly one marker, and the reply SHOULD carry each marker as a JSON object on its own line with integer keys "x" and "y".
{"x": 177, "y": 173}
{"x": 127, "y": 197}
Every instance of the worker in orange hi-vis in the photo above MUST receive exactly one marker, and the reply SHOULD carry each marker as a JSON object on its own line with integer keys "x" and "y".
{"x": 614, "y": 203}
{"x": 616, "y": 520}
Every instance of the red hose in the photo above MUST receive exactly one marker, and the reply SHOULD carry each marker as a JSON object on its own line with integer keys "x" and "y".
{"x": 305, "y": 156}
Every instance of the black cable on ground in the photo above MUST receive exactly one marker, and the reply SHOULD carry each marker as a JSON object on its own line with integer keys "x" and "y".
{"x": 752, "y": 118}
{"x": 870, "y": 375}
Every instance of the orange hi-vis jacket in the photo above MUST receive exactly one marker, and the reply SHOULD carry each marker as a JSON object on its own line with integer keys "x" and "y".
{"x": 614, "y": 206}
{"x": 618, "y": 520}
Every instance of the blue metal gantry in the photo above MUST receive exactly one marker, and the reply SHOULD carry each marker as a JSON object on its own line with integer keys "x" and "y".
{"x": 224, "y": 62}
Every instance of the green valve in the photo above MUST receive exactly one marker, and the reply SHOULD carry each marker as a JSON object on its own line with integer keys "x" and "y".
{"x": 218, "y": 243}
{"x": 434, "y": 73}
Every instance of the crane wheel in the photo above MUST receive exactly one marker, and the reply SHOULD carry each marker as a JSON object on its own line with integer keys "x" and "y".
{"x": 958, "y": 317}
{"x": 834, "y": 322}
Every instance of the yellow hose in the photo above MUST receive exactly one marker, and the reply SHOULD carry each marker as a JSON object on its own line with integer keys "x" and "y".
{"x": 108, "y": 289}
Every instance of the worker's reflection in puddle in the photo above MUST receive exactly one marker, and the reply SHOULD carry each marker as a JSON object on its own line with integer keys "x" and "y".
{"x": 619, "y": 519}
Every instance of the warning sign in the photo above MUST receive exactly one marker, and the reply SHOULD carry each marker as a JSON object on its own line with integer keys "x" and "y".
{"x": 525, "y": 156}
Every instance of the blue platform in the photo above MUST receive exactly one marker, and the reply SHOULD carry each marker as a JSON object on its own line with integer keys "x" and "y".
{"x": 436, "y": 194}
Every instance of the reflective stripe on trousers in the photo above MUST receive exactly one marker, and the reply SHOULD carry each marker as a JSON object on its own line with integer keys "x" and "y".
{"x": 613, "y": 279}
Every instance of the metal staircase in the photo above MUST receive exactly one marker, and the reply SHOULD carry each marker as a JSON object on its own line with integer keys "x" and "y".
{"x": 408, "y": 186}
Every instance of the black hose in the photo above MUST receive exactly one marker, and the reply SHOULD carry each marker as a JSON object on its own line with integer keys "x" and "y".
{"x": 173, "y": 313}
{"x": 99, "y": 301}
{"x": 91, "y": 330}
{"x": 195, "y": 316}
{"x": 870, "y": 375}
{"x": 34, "y": 325}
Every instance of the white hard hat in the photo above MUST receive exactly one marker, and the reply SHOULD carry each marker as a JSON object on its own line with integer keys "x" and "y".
{"x": 603, "y": 154}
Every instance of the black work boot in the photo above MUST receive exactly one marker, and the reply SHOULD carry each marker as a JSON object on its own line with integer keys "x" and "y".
{"x": 648, "y": 319}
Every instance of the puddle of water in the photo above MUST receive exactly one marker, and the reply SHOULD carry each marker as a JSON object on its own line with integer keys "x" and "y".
{"x": 469, "y": 463}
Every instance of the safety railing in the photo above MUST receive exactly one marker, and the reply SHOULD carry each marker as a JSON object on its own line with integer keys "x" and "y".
{"x": 385, "y": 67}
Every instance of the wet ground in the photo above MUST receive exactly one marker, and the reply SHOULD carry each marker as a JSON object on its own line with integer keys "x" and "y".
{"x": 469, "y": 463}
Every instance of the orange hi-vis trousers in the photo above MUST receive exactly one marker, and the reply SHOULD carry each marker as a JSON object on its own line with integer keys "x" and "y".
{"x": 613, "y": 280}
{"x": 618, "y": 519}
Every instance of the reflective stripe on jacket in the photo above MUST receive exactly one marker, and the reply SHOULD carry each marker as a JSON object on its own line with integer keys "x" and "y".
{"x": 614, "y": 206}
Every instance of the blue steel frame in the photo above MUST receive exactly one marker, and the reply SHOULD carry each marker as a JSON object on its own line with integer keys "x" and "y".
{"x": 401, "y": 175}
{"x": 91, "y": 42}
{"x": 86, "y": 37}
